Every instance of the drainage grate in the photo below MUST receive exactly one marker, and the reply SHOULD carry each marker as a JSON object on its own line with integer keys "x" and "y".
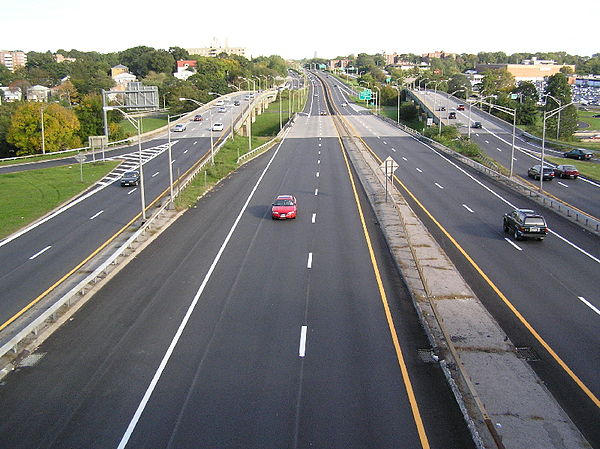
{"x": 528, "y": 354}
{"x": 32, "y": 359}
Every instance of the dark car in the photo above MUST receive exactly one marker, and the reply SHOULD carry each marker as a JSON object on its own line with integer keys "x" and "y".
{"x": 566, "y": 171}
{"x": 525, "y": 223}
{"x": 535, "y": 171}
{"x": 476, "y": 125}
{"x": 236, "y": 103}
{"x": 197, "y": 118}
{"x": 451, "y": 115}
{"x": 579, "y": 153}
{"x": 442, "y": 108}
{"x": 130, "y": 178}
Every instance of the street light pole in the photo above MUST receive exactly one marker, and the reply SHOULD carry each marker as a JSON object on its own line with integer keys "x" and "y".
{"x": 547, "y": 114}
{"x": 558, "y": 122}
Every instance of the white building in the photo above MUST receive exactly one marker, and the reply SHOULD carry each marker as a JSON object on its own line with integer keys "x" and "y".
{"x": 12, "y": 94}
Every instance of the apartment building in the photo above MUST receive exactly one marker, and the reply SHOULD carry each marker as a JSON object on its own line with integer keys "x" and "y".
{"x": 13, "y": 59}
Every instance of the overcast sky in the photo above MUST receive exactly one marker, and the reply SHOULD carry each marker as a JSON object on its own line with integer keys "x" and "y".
{"x": 303, "y": 29}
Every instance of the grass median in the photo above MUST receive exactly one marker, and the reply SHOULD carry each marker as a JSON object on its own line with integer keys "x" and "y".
{"x": 28, "y": 195}
{"x": 586, "y": 168}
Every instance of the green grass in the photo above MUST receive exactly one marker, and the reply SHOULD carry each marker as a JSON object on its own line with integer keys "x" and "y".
{"x": 41, "y": 157}
{"x": 587, "y": 169}
{"x": 28, "y": 195}
{"x": 587, "y": 117}
{"x": 148, "y": 124}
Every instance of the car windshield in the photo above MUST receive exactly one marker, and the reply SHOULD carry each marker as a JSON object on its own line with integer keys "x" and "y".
{"x": 569, "y": 167}
{"x": 283, "y": 203}
{"x": 129, "y": 174}
{"x": 534, "y": 221}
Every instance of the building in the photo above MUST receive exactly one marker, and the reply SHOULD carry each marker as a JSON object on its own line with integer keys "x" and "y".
{"x": 185, "y": 68}
{"x": 533, "y": 70}
{"x": 339, "y": 63}
{"x": 439, "y": 55}
{"x": 60, "y": 58}
{"x": 10, "y": 95}
{"x": 38, "y": 93}
{"x": 121, "y": 76}
{"x": 215, "y": 49}
{"x": 13, "y": 59}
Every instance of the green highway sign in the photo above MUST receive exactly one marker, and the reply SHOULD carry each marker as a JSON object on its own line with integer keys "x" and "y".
{"x": 365, "y": 95}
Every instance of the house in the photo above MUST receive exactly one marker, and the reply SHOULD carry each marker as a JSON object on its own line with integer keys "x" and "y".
{"x": 38, "y": 93}
{"x": 185, "y": 68}
{"x": 13, "y": 94}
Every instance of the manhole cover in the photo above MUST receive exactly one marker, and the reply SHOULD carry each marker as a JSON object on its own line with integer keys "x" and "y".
{"x": 528, "y": 354}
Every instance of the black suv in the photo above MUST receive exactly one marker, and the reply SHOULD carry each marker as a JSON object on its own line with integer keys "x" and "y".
{"x": 130, "y": 178}
{"x": 534, "y": 172}
{"x": 525, "y": 223}
{"x": 579, "y": 153}
{"x": 476, "y": 125}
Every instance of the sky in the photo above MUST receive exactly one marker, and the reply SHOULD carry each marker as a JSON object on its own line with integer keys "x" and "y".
{"x": 297, "y": 30}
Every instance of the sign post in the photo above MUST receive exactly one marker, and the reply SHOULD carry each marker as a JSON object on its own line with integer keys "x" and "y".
{"x": 80, "y": 158}
{"x": 388, "y": 167}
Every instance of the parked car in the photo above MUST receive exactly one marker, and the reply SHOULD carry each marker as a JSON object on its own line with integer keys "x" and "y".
{"x": 535, "y": 173}
{"x": 579, "y": 153}
{"x": 130, "y": 178}
{"x": 461, "y": 107}
{"x": 180, "y": 127}
{"x": 476, "y": 125}
{"x": 284, "y": 207}
{"x": 451, "y": 115}
{"x": 525, "y": 223}
{"x": 197, "y": 118}
{"x": 217, "y": 127}
{"x": 566, "y": 171}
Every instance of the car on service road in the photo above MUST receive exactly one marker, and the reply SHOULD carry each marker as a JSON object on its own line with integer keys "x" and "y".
{"x": 197, "y": 118}
{"x": 566, "y": 171}
{"x": 579, "y": 153}
{"x": 220, "y": 103}
{"x": 217, "y": 127}
{"x": 476, "y": 125}
{"x": 180, "y": 127}
{"x": 535, "y": 171}
{"x": 525, "y": 223}
{"x": 236, "y": 103}
{"x": 451, "y": 115}
{"x": 461, "y": 107}
{"x": 130, "y": 178}
{"x": 222, "y": 110}
{"x": 284, "y": 207}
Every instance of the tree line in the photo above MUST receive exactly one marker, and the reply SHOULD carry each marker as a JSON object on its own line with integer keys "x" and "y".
{"x": 75, "y": 111}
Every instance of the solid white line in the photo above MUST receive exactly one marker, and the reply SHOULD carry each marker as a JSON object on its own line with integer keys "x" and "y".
{"x": 419, "y": 170}
{"x": 513, "y": 243}
{"x": 155, "y": 174}
{"x": 95, "y": 215}
{"x": 40, "y": 252}
{"x": 590, "y": 305}
{"x": 171, "y": 348}
{"x": 131, "y": 191}
{"x": 441, "y": 187}
{"x": 468, "y": 208}
{"x": 302, "y": 350}
{"x": 563, "y": 184}
{"x": 309, "y": 264}
{"x": 316, "y": 192}
{"x": 314, "y": 217}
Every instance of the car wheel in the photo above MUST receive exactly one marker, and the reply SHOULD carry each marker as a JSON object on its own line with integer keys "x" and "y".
{"x": 537, "y": 178}
{"x": 516, "y": 235}
{"x": 579, "y": 158}
{"x": 541, "y": 238}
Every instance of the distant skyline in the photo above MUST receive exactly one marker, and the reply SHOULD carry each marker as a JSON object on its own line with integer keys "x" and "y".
{"x": 298, "y": 31}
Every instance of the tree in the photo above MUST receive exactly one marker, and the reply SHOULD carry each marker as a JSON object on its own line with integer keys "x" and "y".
{"x": 497, "y": 80}
{"x": 558, "y": 87}
{"x": 89, "y": 113}
{"x": 60, "y": 128}
{"x": 6, "y": 112}
{"x": 67, "y": 92}
{"x": 6, "y": 76}
{"x": 179, "y": 53}
{"x": 459, "y": 81}
{"x": 526, "y": 104}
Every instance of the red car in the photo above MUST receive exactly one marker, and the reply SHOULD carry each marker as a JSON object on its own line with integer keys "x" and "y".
{"x": 461, "y": 107}
{"x": 284, "y": 207}
{"x": 566, "y": 171}
{"x": 198, "y": 118}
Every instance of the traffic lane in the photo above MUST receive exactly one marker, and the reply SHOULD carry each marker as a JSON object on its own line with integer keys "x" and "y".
{"x": 480, "y": 234}
{"x": 115, "y": 342}
{"x": 349, "y": 347}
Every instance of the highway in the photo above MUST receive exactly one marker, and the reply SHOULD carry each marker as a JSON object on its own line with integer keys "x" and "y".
{"x": 60, "y": 242}
{"x": 495, "y": 138}
{"x": 233, "y": 330}
{"x": 552, "y": 285}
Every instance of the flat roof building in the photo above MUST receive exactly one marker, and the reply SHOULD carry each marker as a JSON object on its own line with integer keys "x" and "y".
{"x": 13, "y": 59}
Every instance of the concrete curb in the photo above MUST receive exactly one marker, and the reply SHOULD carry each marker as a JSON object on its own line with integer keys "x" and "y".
{"x": 521, "y": 413}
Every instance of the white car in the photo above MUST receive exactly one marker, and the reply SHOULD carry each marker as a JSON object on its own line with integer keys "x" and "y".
{"x": 220, "y": 103}
{"x": 217, "y": 127}
{"x": 180, "y": 127}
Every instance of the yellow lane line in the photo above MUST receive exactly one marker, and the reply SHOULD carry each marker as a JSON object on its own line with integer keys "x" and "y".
{"x": 506, "y": 301}
{"x": 400, "y": 357}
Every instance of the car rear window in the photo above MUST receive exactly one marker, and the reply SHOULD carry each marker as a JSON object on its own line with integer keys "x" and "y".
{"x": 534, "y": 221}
